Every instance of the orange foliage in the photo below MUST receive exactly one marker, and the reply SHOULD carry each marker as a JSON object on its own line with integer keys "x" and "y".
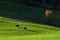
{"x": 48, "y": 13}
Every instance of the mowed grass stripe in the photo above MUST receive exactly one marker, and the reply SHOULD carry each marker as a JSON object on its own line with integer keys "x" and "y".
{"x": 33, "y": 37}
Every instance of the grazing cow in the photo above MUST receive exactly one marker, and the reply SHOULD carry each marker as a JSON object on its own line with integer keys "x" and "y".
{"x": 25, "y": 28}
{"x": 17, "y": 25}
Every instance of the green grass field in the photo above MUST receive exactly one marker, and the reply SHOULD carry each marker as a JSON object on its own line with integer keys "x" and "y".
{"x": 35, "y": 31}
{"x": 9, "y": 31}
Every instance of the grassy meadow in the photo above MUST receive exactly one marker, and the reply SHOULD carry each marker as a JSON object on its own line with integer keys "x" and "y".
{"x": 29, "y": 17}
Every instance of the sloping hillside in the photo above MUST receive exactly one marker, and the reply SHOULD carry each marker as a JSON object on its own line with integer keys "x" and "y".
{"x": 9, "y": 31}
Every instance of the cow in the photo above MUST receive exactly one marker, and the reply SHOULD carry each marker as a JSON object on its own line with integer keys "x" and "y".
{"x": 17, "y": 25}
{"x": 25, "y": 28}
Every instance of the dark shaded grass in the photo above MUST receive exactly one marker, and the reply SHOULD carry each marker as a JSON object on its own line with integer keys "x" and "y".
{"x": 22, "y": 13}
{"x": 30, "y": 14}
